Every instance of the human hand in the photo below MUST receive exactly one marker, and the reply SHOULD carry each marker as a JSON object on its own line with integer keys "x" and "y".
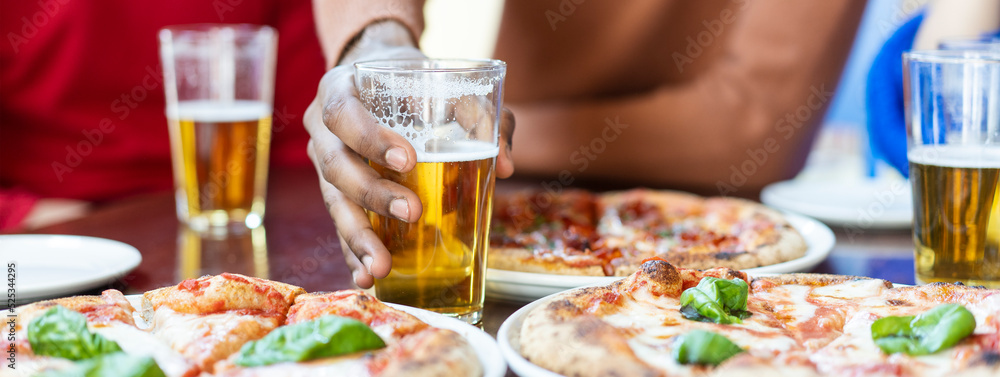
{"x": 343, "y": 135}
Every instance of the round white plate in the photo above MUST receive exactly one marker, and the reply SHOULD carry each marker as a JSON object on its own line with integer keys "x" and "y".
{"x": 527, "y": 286}
{"x": 509, "y": 338}
{"x": 486, "y": 348}
{"x": 55, "y": 265}
{"x": 861, "y": 204}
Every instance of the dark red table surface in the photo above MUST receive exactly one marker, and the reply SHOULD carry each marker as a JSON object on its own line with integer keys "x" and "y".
{"x": 298, "y": 244}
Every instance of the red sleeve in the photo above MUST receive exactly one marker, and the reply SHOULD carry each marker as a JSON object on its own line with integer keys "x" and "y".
{"x": 15, "y": 204}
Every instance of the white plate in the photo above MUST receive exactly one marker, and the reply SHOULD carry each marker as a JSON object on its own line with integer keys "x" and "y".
{"x": 527, "y": 286}
{"x": 861, "y": 204}
{"x": 56, "y": 265}
{"x": 486, "y": 348}
{"x": 509, "y": 337}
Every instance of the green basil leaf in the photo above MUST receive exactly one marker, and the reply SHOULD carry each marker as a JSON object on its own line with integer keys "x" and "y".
{"x": 716, "y": 300}
{"x": 116, "y": 364}
{"x": 60, "y": 332}
{"x": 704, "y": 348}
{"x": 937, "y": 329}
{"x": 322, "y": 337}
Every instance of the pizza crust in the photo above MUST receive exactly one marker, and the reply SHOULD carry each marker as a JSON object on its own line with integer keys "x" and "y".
{"x": 523, "y": 260}
{"x": 219, "y": 293}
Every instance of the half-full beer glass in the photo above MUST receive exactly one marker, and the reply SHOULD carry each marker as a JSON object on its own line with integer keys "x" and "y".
{"x": 449, "y": 110}
{"x": 952, "y": 101}
{"x": 219, "y": 82}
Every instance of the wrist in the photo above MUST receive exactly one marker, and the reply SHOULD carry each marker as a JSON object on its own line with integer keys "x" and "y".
{"x": 376, "y": 39}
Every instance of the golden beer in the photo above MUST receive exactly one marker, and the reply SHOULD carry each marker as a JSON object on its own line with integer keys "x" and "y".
{"x": 438, "y": 262}
{"x": 220, "y": 161}
{"x": 956, "y": 225}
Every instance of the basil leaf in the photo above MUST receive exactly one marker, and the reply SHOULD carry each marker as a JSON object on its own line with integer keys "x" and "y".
{"x": 116, "y": 364}
{"x": 716, "y": 300}
{"x": 322, "y": 337}
{"x": 60, "y": 332}
{"x": 937, "y": 329}
{"x": 704, "y": 348}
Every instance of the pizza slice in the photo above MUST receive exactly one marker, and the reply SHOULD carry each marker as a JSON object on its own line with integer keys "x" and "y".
{"x": 209, "y": 318}
{"x": 110, "y": 328}
{"x": 404, "y": 346}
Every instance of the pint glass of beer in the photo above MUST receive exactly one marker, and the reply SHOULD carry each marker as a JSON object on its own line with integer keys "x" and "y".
{"x": 219, "y": 82}
{"x": 952, "y": 101}
{"x": 449, "y": 111}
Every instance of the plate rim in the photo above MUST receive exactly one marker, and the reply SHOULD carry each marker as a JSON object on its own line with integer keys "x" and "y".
{"x": 115, "y": 269}
{"x": 489, "y": 353}
{"x": 885, "y": 221}
{"x": 820, "y": 242}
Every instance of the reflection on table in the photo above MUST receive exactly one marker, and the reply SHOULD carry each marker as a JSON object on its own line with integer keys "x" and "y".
{"x": 213, "y": 252}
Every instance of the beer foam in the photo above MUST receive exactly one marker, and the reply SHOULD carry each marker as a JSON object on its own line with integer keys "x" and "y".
{"x": 409, "y": 86}
{"x": 456, "y": 151}
{"x": 407, "y": 104}
{"x": 218, "y": 111}
{"x": 956, "y": 156}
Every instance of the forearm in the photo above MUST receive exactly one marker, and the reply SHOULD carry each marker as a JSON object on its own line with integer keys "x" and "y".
{"x": 768, "y": 92}
{"x": 954, "y": 19}
{"x": 343, "y": 24}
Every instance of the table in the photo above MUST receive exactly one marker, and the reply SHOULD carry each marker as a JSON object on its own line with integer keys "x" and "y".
{"x": 298, "y": 244}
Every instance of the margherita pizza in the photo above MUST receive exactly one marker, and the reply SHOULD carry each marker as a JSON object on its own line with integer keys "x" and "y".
{"x": 666, "y": 321}
{"x": 582, "y": 233}
{"x": 233, "y": 325}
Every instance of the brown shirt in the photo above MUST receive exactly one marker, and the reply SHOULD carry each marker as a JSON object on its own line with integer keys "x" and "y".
{"x": 721, "y": 96}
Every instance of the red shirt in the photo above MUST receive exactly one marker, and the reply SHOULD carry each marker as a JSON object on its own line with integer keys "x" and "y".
{"x": 82, "y": 101}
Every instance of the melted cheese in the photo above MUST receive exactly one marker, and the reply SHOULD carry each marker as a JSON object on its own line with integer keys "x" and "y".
{"x": 198, "y": 336}
{"x": 328, "y": 367}
{"x": 854, "y": 289}
{"x": 789, "y": 302}
{"x": 656, "y": 321}
{"x": 856, "y": 353}
{"x": 137, "y": 342}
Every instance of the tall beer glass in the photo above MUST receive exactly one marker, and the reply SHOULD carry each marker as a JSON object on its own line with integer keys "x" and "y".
{"x": 952, "y": 101}
{"x": 449, "y": 110}
{"x": 219, "y": 82}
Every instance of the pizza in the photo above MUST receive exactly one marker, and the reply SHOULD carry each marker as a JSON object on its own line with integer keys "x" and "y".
{"x": 577, "y": 232}
{"x": 233, "y": 325}
{"x": 668, "y": 321}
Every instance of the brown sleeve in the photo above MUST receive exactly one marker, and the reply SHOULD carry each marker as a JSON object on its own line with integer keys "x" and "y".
{"x": 338, "y": 21}
{"x": 765, "y": 93}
